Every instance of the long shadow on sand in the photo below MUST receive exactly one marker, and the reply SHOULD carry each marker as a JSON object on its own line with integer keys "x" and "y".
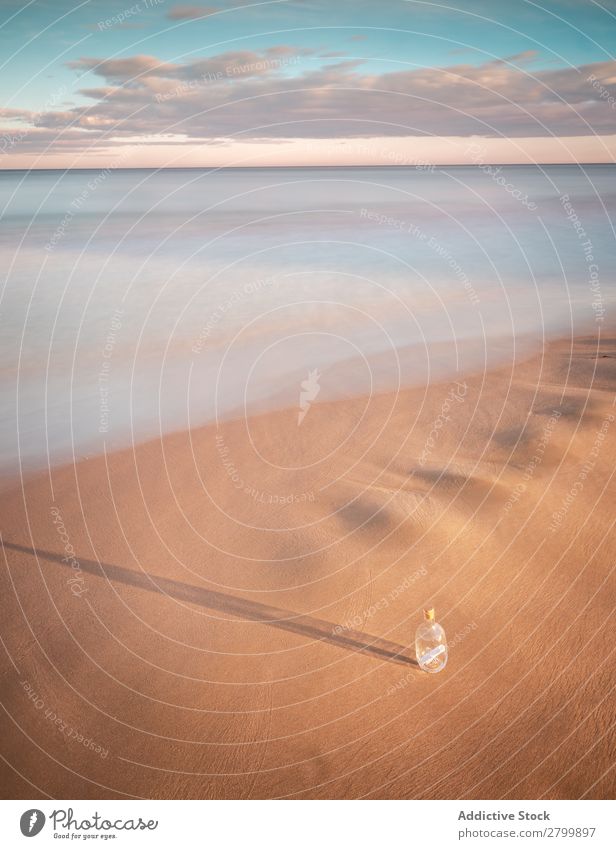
{"x": 276, "y": 617}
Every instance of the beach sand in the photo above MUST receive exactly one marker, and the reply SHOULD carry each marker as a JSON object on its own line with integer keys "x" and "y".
{"x": 230, "y": 612}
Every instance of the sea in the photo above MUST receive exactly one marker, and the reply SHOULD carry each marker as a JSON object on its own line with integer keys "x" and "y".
{"x": 139, "y": 302}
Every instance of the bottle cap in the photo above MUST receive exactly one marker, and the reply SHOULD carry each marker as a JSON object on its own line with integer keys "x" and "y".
{"x": 429, "y": 614}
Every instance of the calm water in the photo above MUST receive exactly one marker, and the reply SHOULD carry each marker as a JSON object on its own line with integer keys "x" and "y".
{"x": 135, "y": 302}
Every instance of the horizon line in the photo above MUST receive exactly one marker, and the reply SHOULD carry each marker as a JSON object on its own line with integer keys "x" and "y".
{"x": 414, "y": 167}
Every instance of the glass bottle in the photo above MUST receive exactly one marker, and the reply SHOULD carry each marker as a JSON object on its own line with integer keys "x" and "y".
{"x": 430, "y": 644}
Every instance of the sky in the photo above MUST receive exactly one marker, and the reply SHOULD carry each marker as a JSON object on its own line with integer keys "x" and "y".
{"x": 153, "y": 83}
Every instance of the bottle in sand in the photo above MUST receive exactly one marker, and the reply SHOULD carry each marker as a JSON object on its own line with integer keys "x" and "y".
{"x": 430, "y": 644}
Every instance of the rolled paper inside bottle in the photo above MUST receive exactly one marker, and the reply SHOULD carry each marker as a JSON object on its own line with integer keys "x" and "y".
{"x": 430, "y": 655}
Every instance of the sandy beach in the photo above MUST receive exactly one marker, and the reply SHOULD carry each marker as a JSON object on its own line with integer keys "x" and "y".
{"x": 230, "y": 612}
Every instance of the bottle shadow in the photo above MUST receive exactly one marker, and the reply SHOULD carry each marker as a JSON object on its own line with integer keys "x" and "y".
{"x": 275, "y": 617}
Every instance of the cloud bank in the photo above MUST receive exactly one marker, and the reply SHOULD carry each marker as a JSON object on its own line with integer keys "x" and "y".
{"x": 287, "y": 93}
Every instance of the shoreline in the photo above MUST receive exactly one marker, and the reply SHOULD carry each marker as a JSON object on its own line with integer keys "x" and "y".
{"x": 236, "y": 619}
{"x": 273, "y": 405}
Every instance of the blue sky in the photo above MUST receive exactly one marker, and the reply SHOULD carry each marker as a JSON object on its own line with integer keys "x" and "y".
{"x": 54, "y": 50}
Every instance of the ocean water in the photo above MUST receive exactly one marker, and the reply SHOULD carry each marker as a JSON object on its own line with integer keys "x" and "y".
{"x": 136, "y": 302}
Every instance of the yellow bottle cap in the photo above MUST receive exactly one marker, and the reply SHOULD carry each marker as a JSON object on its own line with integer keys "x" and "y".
{"x": 429, "y": 614}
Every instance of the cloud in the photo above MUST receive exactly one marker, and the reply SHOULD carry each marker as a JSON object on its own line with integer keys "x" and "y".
{"x": 526, "y": 57}
{"x": 134, "y": 70}
{"x": 25, "y": 115}
{"x": 122, "y": 70}
{"x": 250, "y": 95}
{"x": 190, "y": 13}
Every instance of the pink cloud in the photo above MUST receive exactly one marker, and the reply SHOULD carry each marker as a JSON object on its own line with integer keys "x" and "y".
{"x": 190, "y": 13}
{"x": 248, "y": 95}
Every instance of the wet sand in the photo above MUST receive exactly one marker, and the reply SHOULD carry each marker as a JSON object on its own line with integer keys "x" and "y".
{"x": 230, "y": 612}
